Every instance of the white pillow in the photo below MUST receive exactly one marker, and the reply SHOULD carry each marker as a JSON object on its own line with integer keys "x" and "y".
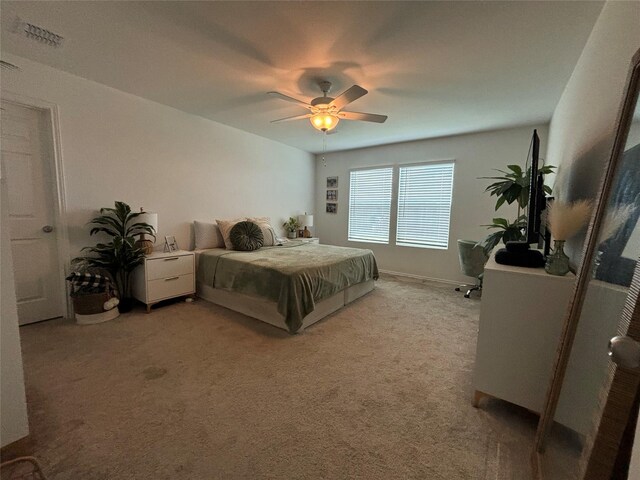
{"x": 259, "y": 219}
{"x": 207, "y": 235}
{"x": 268, "y": 232}
{"x": 225, "y": 227}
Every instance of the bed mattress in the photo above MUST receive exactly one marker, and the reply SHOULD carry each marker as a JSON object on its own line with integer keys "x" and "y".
{"x": 295, "y": 277}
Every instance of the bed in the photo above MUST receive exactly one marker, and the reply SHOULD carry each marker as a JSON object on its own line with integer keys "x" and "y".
{"x": 290, "y": 286}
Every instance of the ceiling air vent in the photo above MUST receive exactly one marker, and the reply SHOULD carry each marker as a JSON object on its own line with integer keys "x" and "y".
{"x": 37, "y": 33}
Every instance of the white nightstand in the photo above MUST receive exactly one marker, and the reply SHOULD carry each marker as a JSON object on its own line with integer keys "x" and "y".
{"x": 310, "y": 240}
{"x": 163, "y": 276}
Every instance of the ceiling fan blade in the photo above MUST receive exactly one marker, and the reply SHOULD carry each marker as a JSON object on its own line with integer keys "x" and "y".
{"x": 295, "y": 117}
{"x": 348, "y": 96}
{"x": 367, "y": 117}
{"x": 287, "y": 98}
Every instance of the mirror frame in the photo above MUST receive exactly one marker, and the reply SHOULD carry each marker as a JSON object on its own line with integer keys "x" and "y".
{"x": 602, "y": 443}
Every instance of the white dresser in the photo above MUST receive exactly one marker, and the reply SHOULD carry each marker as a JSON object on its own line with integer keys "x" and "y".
{"x": 163, "y": 276}
{"x": 521, "y": 315}
{"x": 521, "y": 318}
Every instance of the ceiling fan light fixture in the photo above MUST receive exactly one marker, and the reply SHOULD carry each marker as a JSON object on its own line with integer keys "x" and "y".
{"x": 324, "y": 121}
{"x": 325, "y": 112}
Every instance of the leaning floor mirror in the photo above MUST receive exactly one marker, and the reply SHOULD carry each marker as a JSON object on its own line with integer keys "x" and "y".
{"x": 588, "y": 423}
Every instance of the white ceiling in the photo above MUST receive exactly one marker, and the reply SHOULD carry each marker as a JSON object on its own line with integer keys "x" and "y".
{"x": 435, "y": 68}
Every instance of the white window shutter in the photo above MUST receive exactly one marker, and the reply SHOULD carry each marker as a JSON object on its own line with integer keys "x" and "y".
{"x": 370, "y": 205}
{"x": 424, "y": 205}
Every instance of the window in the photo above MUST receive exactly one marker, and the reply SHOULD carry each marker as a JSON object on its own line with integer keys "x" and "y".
{"x": 370, "y": 205}
{"x": 424, "y": 205}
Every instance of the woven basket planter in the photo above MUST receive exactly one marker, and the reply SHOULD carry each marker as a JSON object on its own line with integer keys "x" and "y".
{"x": 90, "y": 303}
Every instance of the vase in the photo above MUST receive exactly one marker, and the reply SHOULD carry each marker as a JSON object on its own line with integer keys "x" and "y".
{"x": 557, "y": 262}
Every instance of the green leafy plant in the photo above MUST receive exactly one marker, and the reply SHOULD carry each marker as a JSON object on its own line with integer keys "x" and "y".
{"x": 291, "y": 225}
{"x": 512, "y": 186}
{"x": 506, "y": 232}
{"x": 120, "y": 256}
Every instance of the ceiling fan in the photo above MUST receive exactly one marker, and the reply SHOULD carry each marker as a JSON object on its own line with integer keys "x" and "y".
{"x": 326, "y": 112}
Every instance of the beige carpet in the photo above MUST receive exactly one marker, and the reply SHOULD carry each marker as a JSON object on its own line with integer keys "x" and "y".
{"x": 379, "y": 390}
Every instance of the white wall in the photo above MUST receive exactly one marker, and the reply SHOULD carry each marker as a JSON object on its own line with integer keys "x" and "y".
{"x": 583, "y": 125}
{"x": 475, "y": 155}
{"x": 13, "y": 406}
{"x": 116, "y": 146}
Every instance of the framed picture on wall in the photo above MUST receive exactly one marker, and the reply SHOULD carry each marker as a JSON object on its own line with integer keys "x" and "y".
{"x": 332, "y": 182}
{"x": 332, "y": 208}
{"x": 332, "y": 195}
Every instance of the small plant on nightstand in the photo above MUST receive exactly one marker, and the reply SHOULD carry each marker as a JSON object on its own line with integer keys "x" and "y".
{"x": 291, "y": 226}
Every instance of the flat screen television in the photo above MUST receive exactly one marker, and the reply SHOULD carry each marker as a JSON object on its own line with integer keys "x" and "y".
{"x": 519, "y": 252}
{"x": 537, "y": 200}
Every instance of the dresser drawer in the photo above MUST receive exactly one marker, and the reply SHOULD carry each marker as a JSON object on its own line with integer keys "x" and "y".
{"x": 158, "y": 268}
{"x": 169, "y": 287}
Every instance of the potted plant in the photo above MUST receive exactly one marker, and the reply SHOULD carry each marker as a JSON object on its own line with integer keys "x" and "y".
{"x": 94, "y": 299}
{"x": 120, "y": 256}
{"x": 512, "y": 186}
{"x": 291, "y": 226}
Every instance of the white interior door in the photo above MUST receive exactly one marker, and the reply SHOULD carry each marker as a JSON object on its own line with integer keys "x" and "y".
{"x": 26, "y": 169}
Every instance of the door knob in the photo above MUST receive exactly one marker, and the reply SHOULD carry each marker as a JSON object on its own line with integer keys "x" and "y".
{"x": 625, "y": 352}
{"x": 47, "y": 229}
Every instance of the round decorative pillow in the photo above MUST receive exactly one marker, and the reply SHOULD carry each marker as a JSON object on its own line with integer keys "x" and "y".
{"x": 246, "y": 236}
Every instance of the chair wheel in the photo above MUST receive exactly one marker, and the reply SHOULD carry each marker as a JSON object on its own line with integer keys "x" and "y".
{"x": 457, "y": 289}
{"x": 466, "y": 295}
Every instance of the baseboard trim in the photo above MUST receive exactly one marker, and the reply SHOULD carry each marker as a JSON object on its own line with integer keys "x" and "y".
{"x": 419, "y": 277}
{"x": 20, "y": 448}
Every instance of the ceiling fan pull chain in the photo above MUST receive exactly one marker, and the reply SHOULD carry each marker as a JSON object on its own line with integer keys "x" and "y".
{"x": 324, "y": 147}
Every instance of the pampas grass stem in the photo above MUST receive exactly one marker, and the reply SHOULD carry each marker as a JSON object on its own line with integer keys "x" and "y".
{"x": 566, "y": 219}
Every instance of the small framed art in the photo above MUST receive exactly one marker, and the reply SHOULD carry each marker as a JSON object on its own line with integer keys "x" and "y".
{"x": 332, "y": 182}
{"x": 170, "y": 244}
{"x": 332, "y": 208}
{"x": 332, "y": 195}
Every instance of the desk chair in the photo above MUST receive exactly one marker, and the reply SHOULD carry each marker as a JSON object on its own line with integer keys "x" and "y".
{"x": 472, "y": 260}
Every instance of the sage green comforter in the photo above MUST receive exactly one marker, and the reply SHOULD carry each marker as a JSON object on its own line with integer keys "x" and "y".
{"x": 295, "y": 275}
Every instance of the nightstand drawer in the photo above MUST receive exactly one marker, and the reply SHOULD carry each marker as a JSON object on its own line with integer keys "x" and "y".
{"x": 158, "y": 268}
{"x": 170, "y": 287}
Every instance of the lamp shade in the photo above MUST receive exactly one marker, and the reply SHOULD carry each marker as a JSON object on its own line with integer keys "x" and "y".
{"x": 148, "y": 217}
{"x": 305, "y": 220}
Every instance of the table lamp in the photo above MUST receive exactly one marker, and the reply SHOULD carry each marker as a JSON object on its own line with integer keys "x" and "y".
{"x": 306, "y": 221}
{"x": 152, "y": 219}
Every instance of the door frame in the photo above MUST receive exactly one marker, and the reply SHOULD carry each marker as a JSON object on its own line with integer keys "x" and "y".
{"x": 51, "y": 113}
